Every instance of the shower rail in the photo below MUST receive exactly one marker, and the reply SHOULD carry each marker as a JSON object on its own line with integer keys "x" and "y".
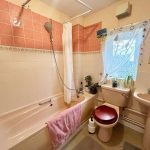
{"x": 25, "y": 3}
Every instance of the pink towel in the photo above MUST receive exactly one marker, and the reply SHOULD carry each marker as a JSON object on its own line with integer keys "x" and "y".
{"x": 61, "y": 127}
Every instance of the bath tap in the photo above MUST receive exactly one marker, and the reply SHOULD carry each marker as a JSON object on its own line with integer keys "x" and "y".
{"x": 148, "y": 90}
{"x": 79, "y": 92}
{"x": 48, "y": 101}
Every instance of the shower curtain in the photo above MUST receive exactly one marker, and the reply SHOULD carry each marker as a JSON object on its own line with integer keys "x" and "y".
{"x": 69, "y": 87}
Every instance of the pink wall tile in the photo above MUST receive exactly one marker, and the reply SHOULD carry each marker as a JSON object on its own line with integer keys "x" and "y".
{"x": 5, "y": 29}
{"x": 38, "y": 44}
{"x": 81, "y": 37}
{"x": 4, "y": 5}
{"x": 18, "y": 41}
{"x": 90, "y": 40}
{"x": 32, "y": 34}
{"x": 45, "y": 40}
{"x": 37, "y": 26}
{"x": 14, "y": 10}
{"x": 4, "y": 17}
{"x": 57, "y": 35}
{"x": 37, "y": 36}
{"x": 36, "y": 17}
{"x": 46, "y": 45}
{"x": 27, "y": 14}
{"x": 28, "y": 34}
{"x": 84, "y": 38}
{"x": 6, "y": 40}
{"x": 44, "y": 19}
{"x": 29, "y": 43}
{"x": 18, "y": 32}
{"x": 75, "y": 37}
{"x": 28, "y": 24}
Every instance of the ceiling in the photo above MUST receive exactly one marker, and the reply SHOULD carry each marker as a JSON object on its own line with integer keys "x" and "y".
{"x": 73, "y": 7}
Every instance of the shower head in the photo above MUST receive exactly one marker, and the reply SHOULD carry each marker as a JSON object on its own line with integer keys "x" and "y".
{"x": 48, "y": 26}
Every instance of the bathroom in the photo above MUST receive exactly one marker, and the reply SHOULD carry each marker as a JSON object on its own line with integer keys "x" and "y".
{"x": 54, "y": 62}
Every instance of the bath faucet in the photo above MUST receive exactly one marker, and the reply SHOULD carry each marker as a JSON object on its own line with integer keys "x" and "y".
{"x": 48, "y": 101}
{"x": 79, "y": 92}
{"x": 148, "y": 90}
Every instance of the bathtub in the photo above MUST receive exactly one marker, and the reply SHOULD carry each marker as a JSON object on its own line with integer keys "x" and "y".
{"x": 26, "y": 127}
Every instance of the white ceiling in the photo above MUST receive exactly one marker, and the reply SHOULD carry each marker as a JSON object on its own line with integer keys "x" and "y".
{"x": 73, "y": 7}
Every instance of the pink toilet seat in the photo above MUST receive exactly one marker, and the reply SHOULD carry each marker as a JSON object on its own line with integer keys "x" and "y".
{"x": 105, "y": 115}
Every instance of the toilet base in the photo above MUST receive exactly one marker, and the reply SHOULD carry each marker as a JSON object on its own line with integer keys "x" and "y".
{"x": 104, "y": 134}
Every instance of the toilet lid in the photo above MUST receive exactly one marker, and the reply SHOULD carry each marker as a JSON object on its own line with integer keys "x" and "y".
{"x": 105, "y": 114}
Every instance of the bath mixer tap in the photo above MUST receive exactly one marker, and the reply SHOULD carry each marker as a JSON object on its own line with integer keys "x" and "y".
{"x": 148, "y": 90}
{"x": 48, "y": 101}
{"x": 78, "y": 92}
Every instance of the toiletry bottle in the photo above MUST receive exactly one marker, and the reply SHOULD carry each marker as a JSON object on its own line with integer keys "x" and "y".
{"x": 81, "y": 87}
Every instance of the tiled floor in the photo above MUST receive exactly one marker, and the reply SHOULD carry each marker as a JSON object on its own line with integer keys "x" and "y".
{"x": 120, "y": 135}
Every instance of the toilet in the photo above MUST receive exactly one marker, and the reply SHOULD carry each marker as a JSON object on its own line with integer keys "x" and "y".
{"x": 106, "y": 116}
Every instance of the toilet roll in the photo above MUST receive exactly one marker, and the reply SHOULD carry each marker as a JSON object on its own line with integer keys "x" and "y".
{"x": 91, "y": 129}
{"x": 91, "y": 126}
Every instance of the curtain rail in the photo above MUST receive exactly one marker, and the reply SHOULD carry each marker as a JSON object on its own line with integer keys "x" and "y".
{"x": 25, "y": 3}
{"x": 77, "y": 16}
{"x": 128, "y": 25}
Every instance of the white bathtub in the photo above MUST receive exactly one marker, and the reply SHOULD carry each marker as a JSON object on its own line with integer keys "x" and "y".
{"x": 18, "y": 126}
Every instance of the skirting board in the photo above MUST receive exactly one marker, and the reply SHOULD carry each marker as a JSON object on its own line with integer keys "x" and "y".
{"x": 131, "y": 126}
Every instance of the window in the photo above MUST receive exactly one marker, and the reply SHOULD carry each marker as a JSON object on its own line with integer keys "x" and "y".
{"x": 131, "y": 57}
{"x": 121, "y": 53}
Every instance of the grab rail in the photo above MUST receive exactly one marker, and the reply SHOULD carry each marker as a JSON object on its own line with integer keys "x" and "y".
{"x": 48, "y": 101}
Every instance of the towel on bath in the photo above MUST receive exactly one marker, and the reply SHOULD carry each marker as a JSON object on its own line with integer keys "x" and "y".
{"x": 61, "y": 127}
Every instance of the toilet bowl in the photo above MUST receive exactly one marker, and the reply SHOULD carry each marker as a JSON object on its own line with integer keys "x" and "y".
{"x": 106, "y": 117}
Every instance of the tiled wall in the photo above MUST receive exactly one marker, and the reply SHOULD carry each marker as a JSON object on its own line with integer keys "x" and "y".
{"x": 33, "y": 73}
{"x": 91, "y": 43}
{"x": 85, "y": 64}
{"x": 31, "y": 33}
{"x": 78, "y": 38}
{"x": 84, "y": 38}
{"x": 27, "y": 76}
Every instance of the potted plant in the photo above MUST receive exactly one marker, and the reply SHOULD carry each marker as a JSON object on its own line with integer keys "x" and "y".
{"x": 88, "y": 80}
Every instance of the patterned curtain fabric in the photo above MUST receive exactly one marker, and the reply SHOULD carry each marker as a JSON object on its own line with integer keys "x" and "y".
{"x": 122, "y": 50}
